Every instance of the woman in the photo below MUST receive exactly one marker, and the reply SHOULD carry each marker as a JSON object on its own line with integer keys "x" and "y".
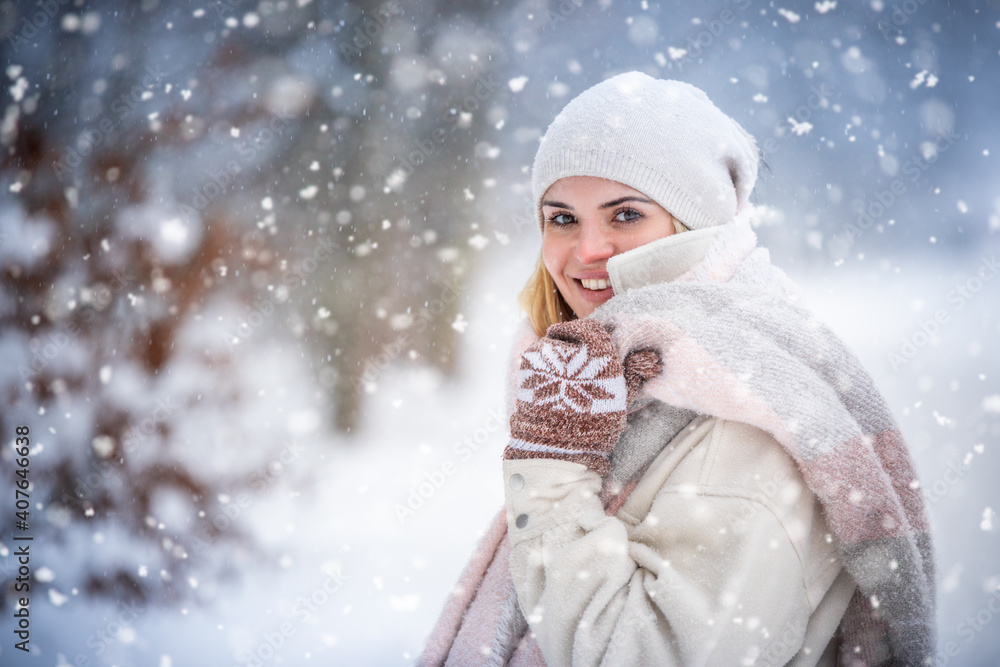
{"x": 699, "y": 472}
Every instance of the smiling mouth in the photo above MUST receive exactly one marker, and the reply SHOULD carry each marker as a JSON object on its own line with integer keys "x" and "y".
{"x": 595, "y": 284}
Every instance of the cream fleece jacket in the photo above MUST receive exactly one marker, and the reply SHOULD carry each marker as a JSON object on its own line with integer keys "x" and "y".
{"x": 720, "y": 556}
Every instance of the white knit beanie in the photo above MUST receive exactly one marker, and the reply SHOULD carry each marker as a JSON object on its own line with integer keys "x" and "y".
{"x": 662, "y": 137}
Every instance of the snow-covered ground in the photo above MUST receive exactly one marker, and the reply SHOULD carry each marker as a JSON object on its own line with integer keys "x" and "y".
{"x": 355, "y": 579}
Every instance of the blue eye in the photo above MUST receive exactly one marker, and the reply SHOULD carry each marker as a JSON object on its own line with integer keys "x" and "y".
{"x": 630, "y": 215}
{"x": 558, "y": 219}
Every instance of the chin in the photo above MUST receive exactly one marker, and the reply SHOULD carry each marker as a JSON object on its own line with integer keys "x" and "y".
{"x": 585, "y": 309}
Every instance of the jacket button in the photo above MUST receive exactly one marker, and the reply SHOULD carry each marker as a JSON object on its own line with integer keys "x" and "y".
{"x": 516, "y": 482}
{"x": 521, "y": 521}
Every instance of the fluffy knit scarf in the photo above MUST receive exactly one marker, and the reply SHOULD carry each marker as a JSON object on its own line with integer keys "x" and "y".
{"x": 735, "y": 346}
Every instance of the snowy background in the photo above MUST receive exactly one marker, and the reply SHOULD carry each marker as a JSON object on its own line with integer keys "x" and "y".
{"x": 258, "y": 270}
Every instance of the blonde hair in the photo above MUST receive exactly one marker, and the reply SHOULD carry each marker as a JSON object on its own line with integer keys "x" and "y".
{"x": 542, "y": 301}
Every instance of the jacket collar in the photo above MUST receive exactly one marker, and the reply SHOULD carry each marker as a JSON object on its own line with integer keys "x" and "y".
{"x": 661, "y": 261}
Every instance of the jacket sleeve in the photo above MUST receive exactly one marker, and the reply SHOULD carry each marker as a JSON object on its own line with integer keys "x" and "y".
{"x": 708, "y": 576}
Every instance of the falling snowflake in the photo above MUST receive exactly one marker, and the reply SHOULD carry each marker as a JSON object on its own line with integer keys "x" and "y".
{"x": 676, "y": 54}
{"x": 57, "y": 598}
{"x": 941, "y": 419}
{"x": 919, "y": 79}
{"x": 790, "y": 15}
{"x": 517, "y": 84}
{"x": 800, "y": 128}
{"x": 987, "y": 522}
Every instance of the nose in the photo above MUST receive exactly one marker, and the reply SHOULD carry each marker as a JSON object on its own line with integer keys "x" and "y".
{"x": 595, "y": 243}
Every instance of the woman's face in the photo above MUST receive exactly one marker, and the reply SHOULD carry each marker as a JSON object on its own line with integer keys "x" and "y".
{"x": 587, "y": 221}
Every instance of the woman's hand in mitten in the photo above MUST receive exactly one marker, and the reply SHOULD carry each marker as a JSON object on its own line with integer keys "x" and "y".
{"x": 572, "y": 397}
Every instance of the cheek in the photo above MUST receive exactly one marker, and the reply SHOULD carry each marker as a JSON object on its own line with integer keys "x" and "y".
{"x": 553, "y": 257}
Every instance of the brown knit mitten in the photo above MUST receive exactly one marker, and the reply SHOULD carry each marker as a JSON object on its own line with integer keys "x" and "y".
{"x": 573, "y": 395}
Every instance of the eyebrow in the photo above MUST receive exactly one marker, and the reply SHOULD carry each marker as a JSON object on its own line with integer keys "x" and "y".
{"x": 613, "y": 202}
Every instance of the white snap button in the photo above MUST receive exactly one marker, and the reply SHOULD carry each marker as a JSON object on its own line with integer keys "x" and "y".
{"x": 516, "y": 482}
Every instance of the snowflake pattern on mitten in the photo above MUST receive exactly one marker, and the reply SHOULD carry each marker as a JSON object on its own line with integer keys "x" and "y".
{"x": 569, "y": 379}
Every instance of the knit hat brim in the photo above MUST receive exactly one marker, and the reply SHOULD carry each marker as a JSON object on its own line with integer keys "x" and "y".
{"x": 661, "y": 137}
